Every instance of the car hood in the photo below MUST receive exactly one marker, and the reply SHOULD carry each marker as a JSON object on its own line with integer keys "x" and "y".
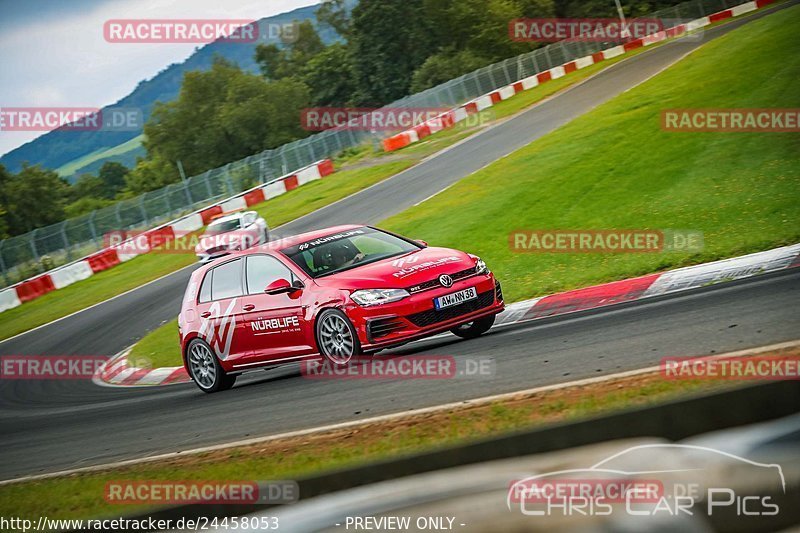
{"x": 402, "y": 271}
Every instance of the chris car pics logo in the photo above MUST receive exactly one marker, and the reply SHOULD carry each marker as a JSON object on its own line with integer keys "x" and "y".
{"x": 652, "y": 480}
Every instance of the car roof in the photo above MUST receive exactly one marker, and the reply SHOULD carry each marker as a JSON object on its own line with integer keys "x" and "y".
{"x": 285, "y": 242}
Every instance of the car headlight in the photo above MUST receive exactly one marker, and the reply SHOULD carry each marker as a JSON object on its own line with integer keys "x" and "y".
{"x": 480, "y": 267}
{"x": 367, "y": 297}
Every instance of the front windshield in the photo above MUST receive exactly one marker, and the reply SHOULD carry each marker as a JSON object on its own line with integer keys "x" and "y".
{"x": 222, "y": 226}
{"x": 342, "y": 251}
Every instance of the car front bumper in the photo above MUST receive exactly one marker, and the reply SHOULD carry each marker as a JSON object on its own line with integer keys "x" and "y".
{"x": 415, "y": 317}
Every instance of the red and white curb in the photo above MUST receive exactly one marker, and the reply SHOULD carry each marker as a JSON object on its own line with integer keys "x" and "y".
{"x": 451, "y": 118}
{"x": 61, "y": 277}
{"x": 668, "y": 282}
{"x": 118, "y": 372}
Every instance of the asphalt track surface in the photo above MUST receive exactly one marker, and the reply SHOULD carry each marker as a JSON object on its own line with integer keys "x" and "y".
{"x": 53, "y": 425}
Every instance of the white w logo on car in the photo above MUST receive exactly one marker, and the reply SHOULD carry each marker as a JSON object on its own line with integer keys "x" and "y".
{"x": 217, "y": 329}
{"x": 399, "y": 263}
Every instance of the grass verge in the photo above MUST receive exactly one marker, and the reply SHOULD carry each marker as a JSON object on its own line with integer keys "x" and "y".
{"x": 614, "y": 168}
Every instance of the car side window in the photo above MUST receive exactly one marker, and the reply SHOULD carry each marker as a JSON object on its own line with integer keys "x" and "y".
{"x": 248, "y": 219}
{"x": 227, "y": 280}
{"x": 263, "y": 270}
{"x": 205, "y": 288}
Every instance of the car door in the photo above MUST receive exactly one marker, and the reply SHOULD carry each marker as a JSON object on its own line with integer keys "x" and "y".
{"x": 220, "y": 310}
{"x": 275, "y": 323}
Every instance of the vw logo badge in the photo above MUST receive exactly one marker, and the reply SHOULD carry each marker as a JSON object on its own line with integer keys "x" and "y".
{"x": 445, "y": 280}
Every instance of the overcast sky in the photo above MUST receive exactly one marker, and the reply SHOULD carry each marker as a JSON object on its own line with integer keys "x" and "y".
{"x": 52, "y": 52}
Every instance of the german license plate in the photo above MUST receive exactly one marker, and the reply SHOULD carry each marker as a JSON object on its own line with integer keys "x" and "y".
{"x": 455, "y": 298}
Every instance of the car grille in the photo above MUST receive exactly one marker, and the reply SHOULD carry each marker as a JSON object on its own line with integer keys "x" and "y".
{"x": 498, "y": 291}
{"x": 425, "y": 285}
{"x": 382, "y": 327}
{"x": 427, "y": 318}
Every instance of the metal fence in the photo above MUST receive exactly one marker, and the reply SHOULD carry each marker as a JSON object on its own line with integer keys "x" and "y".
{"x": 40, "y": 250}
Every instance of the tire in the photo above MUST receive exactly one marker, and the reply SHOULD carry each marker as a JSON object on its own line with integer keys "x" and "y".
{"x": 337, "y": 340}
{"x": 471, "y": 330}
{"x": 204, "y": 368}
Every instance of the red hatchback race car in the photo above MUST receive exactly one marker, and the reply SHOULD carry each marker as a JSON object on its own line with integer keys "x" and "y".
{"x": 335, "y": 293}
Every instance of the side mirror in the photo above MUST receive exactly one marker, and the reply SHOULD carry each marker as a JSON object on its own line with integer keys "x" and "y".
{"x": 280, "y": 286}
{"x": 423, "y": 243}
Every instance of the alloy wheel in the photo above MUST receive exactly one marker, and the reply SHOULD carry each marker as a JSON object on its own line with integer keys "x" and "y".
{"x": 336, "y": 338}
{"x": 201, "y": 365}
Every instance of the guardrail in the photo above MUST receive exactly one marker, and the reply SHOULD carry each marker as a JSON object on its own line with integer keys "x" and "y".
{"x": 112, "y": 256}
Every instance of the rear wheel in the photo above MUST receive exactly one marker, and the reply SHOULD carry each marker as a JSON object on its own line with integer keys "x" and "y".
{"x": 204, "y": 368}
{"x": 470, "y": 330}
{"x": 336, "y": 337}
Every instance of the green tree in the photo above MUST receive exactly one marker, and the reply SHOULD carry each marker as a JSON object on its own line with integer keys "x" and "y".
{"x": 329, "y": 76}
{"x": 85, "y": 205}
{"x": 277, "y": 63}
{"x": 149, "y": 174}
{"x": 113, "y": 175}
{"x": 87, "y": 186}
{"x": 334, "y": 14}
{"x": 35, "y": 197}
{"x": 444, "y": 66}
{"x": 389, "y": 41}
{"x": 5, "y": 201}
{"x": 220, "y": 115}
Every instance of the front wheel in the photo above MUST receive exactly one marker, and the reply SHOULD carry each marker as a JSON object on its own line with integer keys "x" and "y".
{"x": 336, "y": 337}
{"x": 474, "y": 329}
{"x": 205, "y": 370}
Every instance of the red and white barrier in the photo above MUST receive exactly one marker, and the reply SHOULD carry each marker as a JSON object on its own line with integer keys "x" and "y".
{"x": 405, "y": 138}
{"x": 71, "y": 273}
{"x": 110, "y": 257}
